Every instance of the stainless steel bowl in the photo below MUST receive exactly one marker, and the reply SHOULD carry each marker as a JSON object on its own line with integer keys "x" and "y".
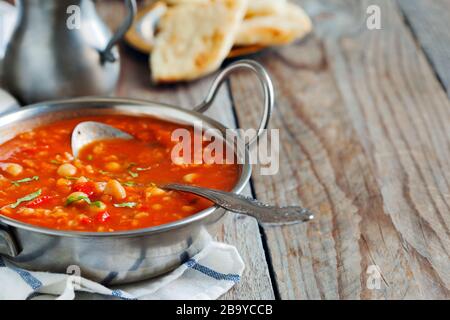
{"x": 118, "y": 257}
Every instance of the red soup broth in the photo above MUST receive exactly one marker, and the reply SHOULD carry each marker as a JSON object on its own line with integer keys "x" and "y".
{"x": 111, "y": 186}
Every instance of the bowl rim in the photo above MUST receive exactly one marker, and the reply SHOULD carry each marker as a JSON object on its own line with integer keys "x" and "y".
{"x": 119, "y": 104}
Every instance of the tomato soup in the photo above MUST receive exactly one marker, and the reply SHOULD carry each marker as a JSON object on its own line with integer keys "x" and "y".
{"x": 113, "y": 185}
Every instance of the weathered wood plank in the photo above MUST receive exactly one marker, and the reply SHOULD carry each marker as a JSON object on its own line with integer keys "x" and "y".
{"x": 364, "y": 143}
{"x": 429, "y": 20}
{"x": 240, "y": 231}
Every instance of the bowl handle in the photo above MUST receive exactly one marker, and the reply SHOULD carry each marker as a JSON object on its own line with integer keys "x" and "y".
{"x": 266, "y": 84}
{"x": 7, "y": 103}
{"x": 8, "y": 245}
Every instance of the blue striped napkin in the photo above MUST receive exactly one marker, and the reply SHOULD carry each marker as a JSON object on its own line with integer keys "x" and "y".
{"x": 207, "y": 276}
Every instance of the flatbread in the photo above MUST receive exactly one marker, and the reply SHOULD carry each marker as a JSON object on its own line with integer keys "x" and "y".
{"x": 195, "y": 39}
{"x": 176, "y": 2}
{"x": 276, "y": 29}
{"x": 264, "y": 7}
{"x": 255, "y": 7}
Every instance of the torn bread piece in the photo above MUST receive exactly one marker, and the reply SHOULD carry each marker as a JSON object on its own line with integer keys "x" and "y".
{"x": 277, "y": 29}
{"x": 195, "y": 39}
{"x": 264, "y": 7}
{"x": 176, "y": 2}
{"x": 255, "y": 7}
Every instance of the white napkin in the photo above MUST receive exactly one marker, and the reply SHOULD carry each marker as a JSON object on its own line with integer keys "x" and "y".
{"x": 207, "y": 276}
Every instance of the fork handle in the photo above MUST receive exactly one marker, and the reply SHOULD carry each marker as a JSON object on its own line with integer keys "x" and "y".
{"x": 241, "y": 204}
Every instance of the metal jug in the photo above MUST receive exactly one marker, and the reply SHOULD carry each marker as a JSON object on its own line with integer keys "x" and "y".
{"x": 61, "y": 49}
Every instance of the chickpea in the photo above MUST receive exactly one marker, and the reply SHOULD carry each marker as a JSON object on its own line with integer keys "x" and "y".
{"x": 89, "y": 169}
{"x": 100, "y": 187}
{"x": 26, "y": 211}
{"x": 134, "y": 223}
{"x": 63, "y": 184}
{"x": 188, "y": 208}
{"x": 189, "y": 178}
{"x": 153, "y": 191}
{"x": 67, "y": 170}
{"x": 6, "y": 210}
{"x": 76, "y": 195}
{"x": 77, "y": 163}
{"x": 81, "y": 180}
{"x": 72, "y": 223}
{"x": 112, "y": 166}
{"x": 111, "y": 158}
{"x": 14, "y": 169}
{"x": 68, "y": 156}
{"x": 106, "y": 198}
{"x": 141, "y": 215}
{"x": 157, "y": 206}
{"x": 97, "y": 207}
{"x": 179, "y": 161}
{"x": 30, "y": 163}
{"x": 115, "y": 189}
{"x": 98, "y": 148}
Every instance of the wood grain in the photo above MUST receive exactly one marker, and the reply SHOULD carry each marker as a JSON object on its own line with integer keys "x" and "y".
{"x": 240, "y": 231}
{"x": 364, "y": 143}
{"x": 429, "y": 20}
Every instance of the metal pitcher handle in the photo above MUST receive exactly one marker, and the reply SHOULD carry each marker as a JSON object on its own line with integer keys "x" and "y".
{"x": 266, "y": 84}
{"x": 107, "y": 55}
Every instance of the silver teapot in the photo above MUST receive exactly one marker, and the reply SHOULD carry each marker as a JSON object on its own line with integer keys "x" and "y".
{"x": 61, "y": 49}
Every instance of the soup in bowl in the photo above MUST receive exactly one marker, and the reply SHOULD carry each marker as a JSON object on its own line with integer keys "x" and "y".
{"x": 113, "y": 185}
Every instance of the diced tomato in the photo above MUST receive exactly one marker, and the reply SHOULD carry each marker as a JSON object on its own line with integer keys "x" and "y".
{"x": 34, "y": 150}
{"x": 103, "y": 217}
{"x": 39, "y": 201}
{"x": 86, "y": 220}
{"x": 88, "y": 188}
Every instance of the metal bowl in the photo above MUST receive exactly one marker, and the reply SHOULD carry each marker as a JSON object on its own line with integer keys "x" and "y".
{"x": 118, "y": 257}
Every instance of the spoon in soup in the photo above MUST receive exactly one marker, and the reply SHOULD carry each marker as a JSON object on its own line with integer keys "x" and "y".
{"x": 90, "y": 131}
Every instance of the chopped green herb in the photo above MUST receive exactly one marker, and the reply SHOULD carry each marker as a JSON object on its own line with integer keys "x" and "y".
{"x": 129, "y": 184}
{"x": 73, "y": 199}
{"x": 72, "y": 178}
{"x": 90, "y": 157}
{"x": 18, "y": 182}
{"x": 126, "y": 205}
{"x": 55, "y": 162}
{"x": 104, "y": 172}
{"x": 131, "y": 165}
{"x": 99, "y": 204}
{"x": 133, "y": 174}
{"x": 29, "y": 197}
{"x": 143, "y": 169}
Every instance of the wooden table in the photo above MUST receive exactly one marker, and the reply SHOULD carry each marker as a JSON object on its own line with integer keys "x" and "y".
{"x": 364, "y": 121}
